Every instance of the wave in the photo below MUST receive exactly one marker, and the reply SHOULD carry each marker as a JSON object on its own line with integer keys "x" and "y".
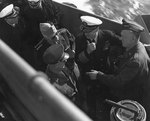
{"x": 113, "y": 9}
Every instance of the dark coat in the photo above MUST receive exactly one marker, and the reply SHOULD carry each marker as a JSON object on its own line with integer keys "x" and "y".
{"x": 13, "y": 36}
{"x": 132, "y": 79}
{"x": 33, "y": 17}
{"x": 98, "y": 58}
{"x": 67, "y": 39}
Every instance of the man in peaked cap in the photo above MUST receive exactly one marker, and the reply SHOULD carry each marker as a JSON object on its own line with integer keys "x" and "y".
{"x": 91, "y": 42}
{"x": 60, "y": 75}
{"x": 13, "y": 31}
{"x": 52, "y": 36}
{"x": 12, "y": 26}
{"x": 131, "y": 80}
{"x": 92, "y": 48}
{"x": 36, "y": 12}
{"x": 132, "y": 30}
{"x": 48, "y": 32}
{"x": 10, "y": 14}
{"x": 133, "y": 26}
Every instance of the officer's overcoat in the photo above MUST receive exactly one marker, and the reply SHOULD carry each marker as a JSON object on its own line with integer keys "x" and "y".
{"x": 98, "y": 58}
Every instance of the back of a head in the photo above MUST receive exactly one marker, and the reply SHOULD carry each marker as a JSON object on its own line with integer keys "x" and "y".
{"x": 48, "y": 30}
{"x": 54, "y": 54}
{"x": 133, "y": 26}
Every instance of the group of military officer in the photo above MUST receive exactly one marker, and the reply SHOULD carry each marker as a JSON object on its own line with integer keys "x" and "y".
{"x": 130, "y": 77}
{"x": 95, "y": 63}
{"x": 19, "y": 21}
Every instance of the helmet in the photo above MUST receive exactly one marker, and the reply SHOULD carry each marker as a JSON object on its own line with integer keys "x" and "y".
{"x": 120, "y": 114}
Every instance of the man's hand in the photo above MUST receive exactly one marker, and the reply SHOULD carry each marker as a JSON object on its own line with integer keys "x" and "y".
{"x": 91, "y": 47}
{"x": 92, "y": 74}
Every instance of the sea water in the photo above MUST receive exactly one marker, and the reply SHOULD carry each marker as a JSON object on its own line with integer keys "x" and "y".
{"x": 113, "y": 9}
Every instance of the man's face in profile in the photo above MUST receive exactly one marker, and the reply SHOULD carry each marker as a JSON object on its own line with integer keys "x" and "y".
{"x": 127, "y": 37}
{"x": 91, "y": 34}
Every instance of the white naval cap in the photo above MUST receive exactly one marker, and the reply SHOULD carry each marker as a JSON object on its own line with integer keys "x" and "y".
{"x": 91, "y": 21}
{"x": 6, "y": 11}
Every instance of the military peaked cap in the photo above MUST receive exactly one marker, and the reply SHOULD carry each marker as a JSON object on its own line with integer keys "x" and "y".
{"x": 54, "y": 54}
{"x": 131, "y": 25}
{"x": 48, "y": 30}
